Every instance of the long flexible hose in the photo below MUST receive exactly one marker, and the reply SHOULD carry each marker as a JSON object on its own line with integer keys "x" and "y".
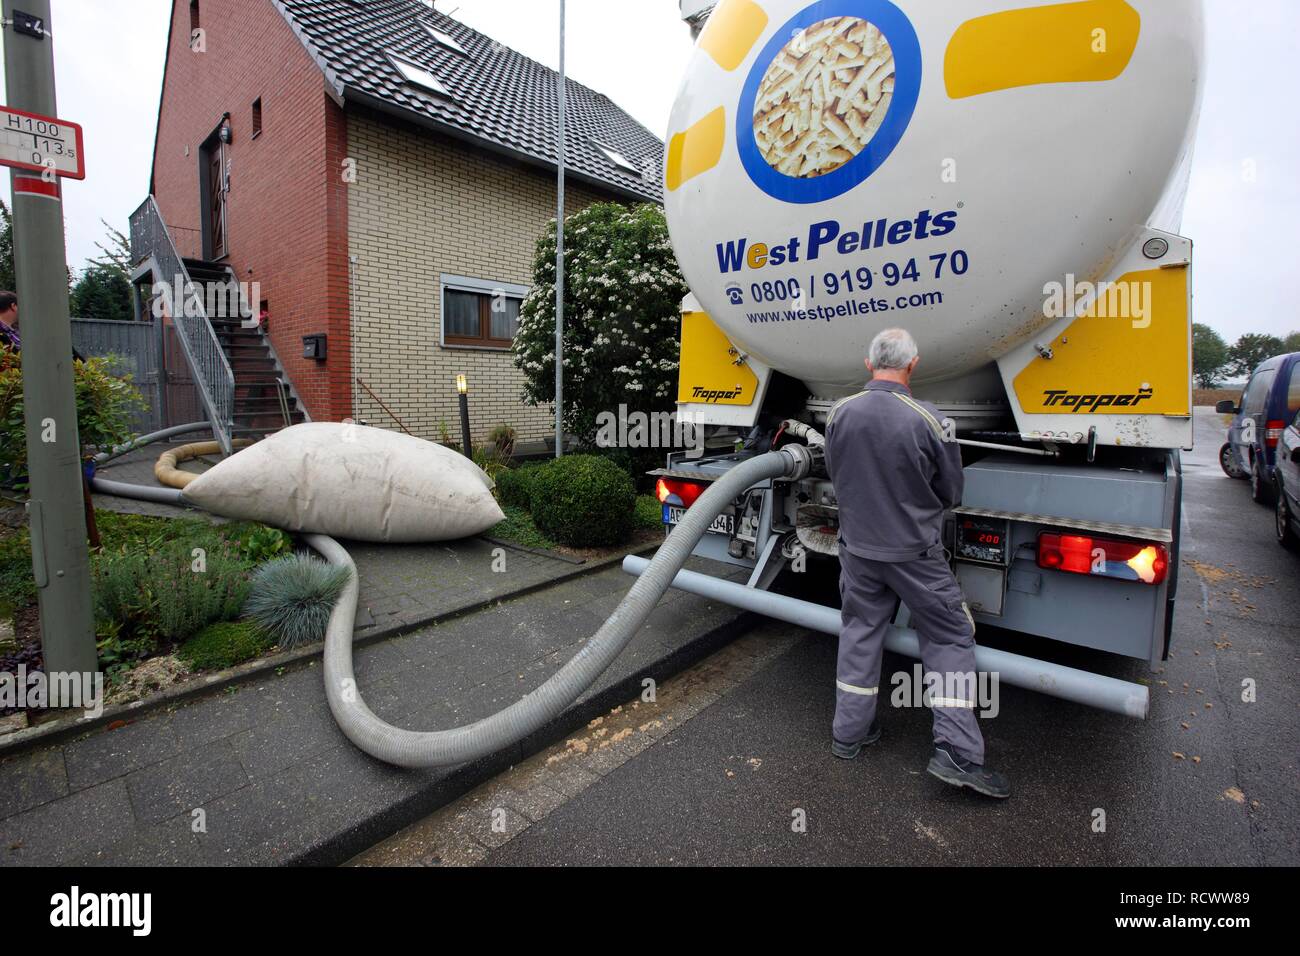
{"x": 106, "y": 456}
{"x": 409, "y": 748}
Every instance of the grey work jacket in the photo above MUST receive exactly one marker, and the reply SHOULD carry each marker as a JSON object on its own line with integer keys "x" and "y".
{"x": 894, "y": 475}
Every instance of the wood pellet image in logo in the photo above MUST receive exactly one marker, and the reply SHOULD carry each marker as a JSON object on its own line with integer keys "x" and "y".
{"x": 702, "y": 394}
{"x": 1060, "y": 398}
{"x": 824, "y": 96}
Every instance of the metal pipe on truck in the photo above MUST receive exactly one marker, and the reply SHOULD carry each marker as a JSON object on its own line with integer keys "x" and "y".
{"x": 1055, "y": 680}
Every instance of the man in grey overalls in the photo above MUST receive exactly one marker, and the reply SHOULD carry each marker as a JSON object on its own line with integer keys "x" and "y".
{"x": 895, "y": 473}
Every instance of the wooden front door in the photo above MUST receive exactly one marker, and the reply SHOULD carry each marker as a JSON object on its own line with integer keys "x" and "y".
{"x": 215, "y": 195}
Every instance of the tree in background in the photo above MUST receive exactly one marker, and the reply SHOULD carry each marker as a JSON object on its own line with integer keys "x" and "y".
{"x": 1249, "y": 350}
{"x": 101, "y": 293}
{"x": 1291, "y": 343}
{"x": 104, "y": 289}
{"x": 1209, "y": 355}
{"x": 622, "y": 301}
{"x": 8, "y": 280}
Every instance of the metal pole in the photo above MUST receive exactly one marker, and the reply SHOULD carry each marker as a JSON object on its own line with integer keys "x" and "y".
{"x": 559, "y": 262}
{"x": 58, "y": 521}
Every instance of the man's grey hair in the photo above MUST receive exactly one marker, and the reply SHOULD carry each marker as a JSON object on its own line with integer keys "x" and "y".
{"x": 892, "y": 349}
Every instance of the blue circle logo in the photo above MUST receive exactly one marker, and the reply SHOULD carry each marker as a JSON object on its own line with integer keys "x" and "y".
{"x": 792, "y": 41}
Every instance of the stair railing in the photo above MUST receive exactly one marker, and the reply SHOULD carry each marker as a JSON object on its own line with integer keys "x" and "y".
{"x": 213, "y": 376}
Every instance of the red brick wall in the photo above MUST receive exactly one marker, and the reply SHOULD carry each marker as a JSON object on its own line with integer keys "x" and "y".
{"x": 287, "y": 208}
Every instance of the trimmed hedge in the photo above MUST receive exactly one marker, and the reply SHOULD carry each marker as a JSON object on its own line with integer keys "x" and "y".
{"x": 649, "y": 512}
{"x": 514, "y": 485}
{"x": 582, "y": 501}
{"x": 225, "y": 644}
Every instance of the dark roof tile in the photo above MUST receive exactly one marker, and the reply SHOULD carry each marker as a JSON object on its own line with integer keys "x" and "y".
{"x": 497, "y": 94}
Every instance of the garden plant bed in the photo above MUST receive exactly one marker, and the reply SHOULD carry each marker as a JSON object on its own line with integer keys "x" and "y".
{"x": 153, "y": 615}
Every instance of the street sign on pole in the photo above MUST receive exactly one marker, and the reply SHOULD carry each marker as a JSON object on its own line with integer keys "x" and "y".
{"x": 60, "y": 557}
{"x": 41, "y": 144}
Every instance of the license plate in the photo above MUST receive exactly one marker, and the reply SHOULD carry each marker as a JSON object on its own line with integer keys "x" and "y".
{"x": 722, "y": 524}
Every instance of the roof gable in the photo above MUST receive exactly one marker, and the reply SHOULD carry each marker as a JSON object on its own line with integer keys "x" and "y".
{"x": 494, "y": 95}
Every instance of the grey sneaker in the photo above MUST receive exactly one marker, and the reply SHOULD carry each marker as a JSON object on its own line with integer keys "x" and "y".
{"x": 849, "y": 751}
{"x": 957, "y": 772}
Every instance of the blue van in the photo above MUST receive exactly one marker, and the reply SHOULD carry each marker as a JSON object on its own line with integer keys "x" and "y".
{"x": 1268, "y": 404}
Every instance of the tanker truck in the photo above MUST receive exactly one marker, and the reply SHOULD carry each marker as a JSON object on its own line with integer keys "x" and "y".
{"x": 1004, "y": 179}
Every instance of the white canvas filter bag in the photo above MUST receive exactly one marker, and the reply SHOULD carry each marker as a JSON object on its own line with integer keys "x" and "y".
{"x": 350, "y": 481}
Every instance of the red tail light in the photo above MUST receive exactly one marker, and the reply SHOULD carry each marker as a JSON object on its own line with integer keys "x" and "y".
{"x": 1273, "y": 432}
{"x": 685, "y": 491}
{"x": 1104, "y": 557}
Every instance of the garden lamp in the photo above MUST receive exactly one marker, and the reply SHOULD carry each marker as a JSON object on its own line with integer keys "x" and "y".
{"x": 462, "y": 388}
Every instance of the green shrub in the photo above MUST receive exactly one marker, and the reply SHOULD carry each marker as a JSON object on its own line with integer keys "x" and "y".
{"x": 637, "y": 462}
{"x": 622, "y": 316}
{"x": 248, "y": 542}
{"x": 147, "y": 597}
{"x": 258, "y": 543}
{"x": 17, "y": 585}
{"x": 225, "y": 644}
{"x": 514, "y": 485}
{"x": 489, "y": 459}
{"x": 292, "y": 598}
{"x": 105, "y": 407}
{"x": 503, "y": 437}
{"x": 649, "y": 512}
{"x": 582, "y": 501}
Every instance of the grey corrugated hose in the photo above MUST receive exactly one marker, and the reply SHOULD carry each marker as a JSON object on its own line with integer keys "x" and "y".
{"x": 410, "y": 748}
{"x": 438, "y": 748}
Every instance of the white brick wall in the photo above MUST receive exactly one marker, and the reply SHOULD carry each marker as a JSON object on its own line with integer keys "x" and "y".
{"x": 424, "y": 206}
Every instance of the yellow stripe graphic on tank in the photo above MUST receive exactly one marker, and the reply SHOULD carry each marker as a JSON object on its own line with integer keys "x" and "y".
{"x": 1086, "y": 42}
{"x": 733, "y": 29}
{"x": 697, "y": 149}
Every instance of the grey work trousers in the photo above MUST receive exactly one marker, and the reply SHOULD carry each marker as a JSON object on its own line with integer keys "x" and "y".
{"x": 869, "y": 591}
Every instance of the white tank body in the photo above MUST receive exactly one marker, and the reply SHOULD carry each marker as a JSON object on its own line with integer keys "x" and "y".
{"x": 845, "y": 166}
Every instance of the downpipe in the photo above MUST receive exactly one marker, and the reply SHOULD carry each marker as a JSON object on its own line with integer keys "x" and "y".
{"x": 1055, "y": 680}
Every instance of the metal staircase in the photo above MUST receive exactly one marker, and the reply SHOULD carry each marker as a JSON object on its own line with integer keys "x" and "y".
{"x": 241, "y": 383}
{"x": 263, "y": 401}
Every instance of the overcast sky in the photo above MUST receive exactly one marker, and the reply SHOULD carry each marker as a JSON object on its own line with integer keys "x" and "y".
{"x": 1244, "y": 194}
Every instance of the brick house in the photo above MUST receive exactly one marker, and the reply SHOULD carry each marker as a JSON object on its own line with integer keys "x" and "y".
{"x": 382, "y": 173}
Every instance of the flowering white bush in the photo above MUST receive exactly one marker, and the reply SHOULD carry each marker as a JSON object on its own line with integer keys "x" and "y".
{"x": 622, "y": 304}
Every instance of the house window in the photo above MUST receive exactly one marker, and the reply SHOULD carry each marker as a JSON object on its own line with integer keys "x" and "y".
{"x": 419, "y": 76}
{"x": 617, "y": 158}
{"x": 194, "y": 16}
{"x": 257, "y": 117}
{"x": 445, "y": 39}
{"x": 480, "y": 314}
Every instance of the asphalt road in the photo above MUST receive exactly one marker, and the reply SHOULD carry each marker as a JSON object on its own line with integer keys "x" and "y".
{"x": 1208, "y": 779}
